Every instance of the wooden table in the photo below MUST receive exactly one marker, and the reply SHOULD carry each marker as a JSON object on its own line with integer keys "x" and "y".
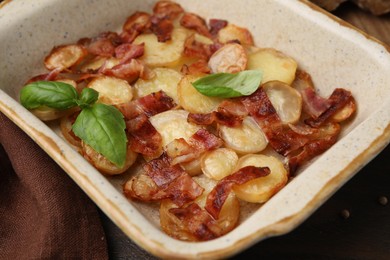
{"x": 353, "y": 224}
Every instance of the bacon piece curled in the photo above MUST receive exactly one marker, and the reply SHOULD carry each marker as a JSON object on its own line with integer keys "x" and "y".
{"x": 143, "y": 137}
{"x": 135, "y": 24}
{"x": 219, "y": 194}
{"x": 216, "y": 25}
{"x": 168, "y": 182}
{"x": 195, "y": 22}
{"x": 229, "y": 113}
{"x": 182, "y": 151}
{"x": 339, "y": 98}
{"x": 282, "y": 139}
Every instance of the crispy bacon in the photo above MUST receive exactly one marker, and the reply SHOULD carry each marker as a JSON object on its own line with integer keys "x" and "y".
{"x": 127, "y": 51}
{"x": 196, "y": 68}
{"x": 229, "y": 113}
{"x": 167, "y": 10}
{"x": 282, "y": 139}
{"x": 182, "y": 151}
{"x": 169, "y": 182}
{"x": 162, "y": 28}
{"x": 339, "y": 98}
{"x": 143, "y": 137}
{"x": 195, "y": 49}
{"x": 219, "y": 117}
{"x": 135, "y": 24}
{"x": 164, "y": 12}
{"x": 130, "y": 70}
{"x": 195, "y": 22}
{"x": 216, "y": 25}
{"x": 221, "y": 191}
{"x": 199, "y": 223}
{"x": 52, "y": 75}
{"x": 313, "y": 104}
{"x": 104, "y": 44}
{"x": 319, "y": 142}
{"x": 149, "y": 105}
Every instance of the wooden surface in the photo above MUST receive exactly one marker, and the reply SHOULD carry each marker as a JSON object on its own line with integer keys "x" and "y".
{"x": 353, "y": 224}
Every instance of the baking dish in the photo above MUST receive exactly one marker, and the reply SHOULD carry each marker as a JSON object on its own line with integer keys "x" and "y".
{"x": 335, "y": 54}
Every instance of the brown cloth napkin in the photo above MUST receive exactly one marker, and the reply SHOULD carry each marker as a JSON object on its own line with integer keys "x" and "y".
{"x": 43, "y": 213}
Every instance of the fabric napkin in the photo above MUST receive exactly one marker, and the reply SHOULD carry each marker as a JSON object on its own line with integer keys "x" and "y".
{"x": 43, "y": 213}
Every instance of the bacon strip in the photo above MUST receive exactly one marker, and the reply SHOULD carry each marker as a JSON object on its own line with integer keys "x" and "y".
{"x": 229, "y": 113}
{"x": 127, "y": 51}
{"x": 143, "y": 137}
{"x": 182, "y": 151}
{"x": 173, "y": 182}
{"x": 216, "y": 25}
{"x": 195, "y": 49}
{"x": 104, "y": 44}
{"x": 150, "y": 105}
{"x": 282, "y": 139}
{"x": 135, "y": 24}
{"x": 339, "y": 98}
{"x": 199, "y": 223}
{"x": 221, "y": 191}
{"x": 319, "y": 143}
{"x": 195, "y": 22}
{"x": 196, "y": 68}
{"x": 129, "y": 70}
{"x": 162, "y": 28}
{"x": 164, "y": 12}
{"x": 313, "y": 104}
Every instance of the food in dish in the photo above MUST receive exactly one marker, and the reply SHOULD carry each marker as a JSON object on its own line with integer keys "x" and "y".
{"x": 201, "y": 117}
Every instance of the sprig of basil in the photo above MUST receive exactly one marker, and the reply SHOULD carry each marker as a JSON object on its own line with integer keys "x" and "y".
{"x": 227, "y": 85}
{"x": 100, "y": 126}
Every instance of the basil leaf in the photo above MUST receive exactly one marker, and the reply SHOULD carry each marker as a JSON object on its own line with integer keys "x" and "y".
{"x": 103, "y": 128}
{"x": 58, "y": 95}
{"x": 88, "y": 96}
{"x": 226, "y": 85}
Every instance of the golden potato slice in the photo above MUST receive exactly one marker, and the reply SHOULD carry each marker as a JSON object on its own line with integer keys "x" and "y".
{"x": 228, "y": 217}
{"x": 286, "y": 100}
{"x": 103, "y": 164}
{"x": 247, "y": 138}
{"x": 66, "y": 129}
{"x": 172, "y": 124}
{"x": 112, "y": 90}
{"x": 164, "y": 79}
{"x": 193, "y": 167}
{"x": 231, "y": 58}
{"x": 233, "y": 32}
{"x": 65, "y": 56}
{"x": 193, "y": 101}
{"x": 163, "y": 54}
{"x": 219, "y": 163}
{"x": 261, "y": 189}
{"x": 274, "y": 64}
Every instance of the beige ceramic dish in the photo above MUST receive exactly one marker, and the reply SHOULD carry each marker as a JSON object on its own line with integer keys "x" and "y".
{"x": 335, "y": 54}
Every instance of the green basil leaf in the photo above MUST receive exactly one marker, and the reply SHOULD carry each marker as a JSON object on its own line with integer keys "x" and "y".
{"x": 58, "y": 95}
{"x": 88, "y": 96}
{"x": 227, "y": 85}
{"x": 103, "y": 128}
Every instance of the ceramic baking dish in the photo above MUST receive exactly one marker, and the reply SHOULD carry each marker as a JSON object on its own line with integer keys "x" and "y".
{"x": 335, "y": 54}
